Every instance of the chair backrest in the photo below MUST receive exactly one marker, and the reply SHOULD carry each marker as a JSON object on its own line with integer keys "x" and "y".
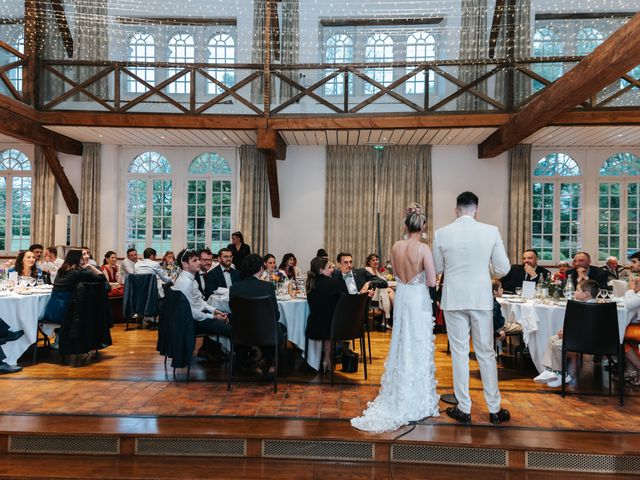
{"x": 591, "y": 328}
{"x": 140, "y": 295}
{"x": 349, "y": 316}
{"x": 176, "y": 332}
{"x": 253, "y": 321}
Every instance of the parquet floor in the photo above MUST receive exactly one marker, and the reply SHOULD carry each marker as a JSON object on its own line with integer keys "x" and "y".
{"x": 129, "y": 378}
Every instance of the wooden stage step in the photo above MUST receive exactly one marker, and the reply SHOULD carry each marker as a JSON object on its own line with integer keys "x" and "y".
{"x": 500, "y": 447}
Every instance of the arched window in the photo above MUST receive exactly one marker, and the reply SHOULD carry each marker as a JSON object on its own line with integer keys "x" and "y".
{"x": 15, "y": 201}
{"x": 338, "y": 49}
{"x": 588, "y": 39}
{"x": 209, "y": 202}
{"x": 547, "y": 43}
{"x": 556, "y": 227}
{"x": 15, "y": 74}
{"x": 149, "y": 203}
{"x": 142, "y": 48}
{"x": 221, "y": 50}
{"x": 378, "y": 49}
{"x": 181, "y": 50}
{"x": 421, "y": 47}
{"x": 619, "y": 206}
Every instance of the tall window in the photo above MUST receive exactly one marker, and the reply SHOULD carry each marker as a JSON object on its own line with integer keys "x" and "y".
{"x": 338, "y": 49}
{"x": 547, "y": 43}
{"x": 556, "y": 229}
{"x": 209, "y": 202}
{"x": 15, "y": 74}
{"x": 379, "y": 48}
{"x": 181, "y": 50}
{"x": 588, "y": 39}
{"x": 619, "y": 206}
{"x": 221, "y": 50}
{"x": 421, "y": 47}
{"x": 15, "y": 201}
{"x": 142, "y": 48}
{"x": 149, "y": 203}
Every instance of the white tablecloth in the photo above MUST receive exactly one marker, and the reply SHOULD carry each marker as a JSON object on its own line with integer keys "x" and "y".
{"x": 293, "y": 314}
{"x": 550, "y": 319}
{"x": 21, "y": 312}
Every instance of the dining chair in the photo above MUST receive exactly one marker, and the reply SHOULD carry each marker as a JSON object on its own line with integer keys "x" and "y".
{"x": 140, "y": 297}
{"x": 347, "y": 323}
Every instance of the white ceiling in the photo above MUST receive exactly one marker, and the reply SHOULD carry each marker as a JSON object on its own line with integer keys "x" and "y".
{"x": 586, "y": 136}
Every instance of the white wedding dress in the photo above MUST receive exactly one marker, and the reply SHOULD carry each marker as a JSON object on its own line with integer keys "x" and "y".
{"x": 408, "y": 386}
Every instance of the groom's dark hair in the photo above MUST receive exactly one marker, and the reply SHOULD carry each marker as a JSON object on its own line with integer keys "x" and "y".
{"x": 466, "y": 199}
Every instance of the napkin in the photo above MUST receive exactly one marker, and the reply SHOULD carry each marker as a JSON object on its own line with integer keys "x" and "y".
{"x": 221, "y": 291}
{"x": 528, "y": 320}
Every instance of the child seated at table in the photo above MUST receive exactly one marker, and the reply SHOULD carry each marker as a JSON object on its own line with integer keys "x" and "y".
{"x": 501, "y": 328}
{"x": 586, "y": 291}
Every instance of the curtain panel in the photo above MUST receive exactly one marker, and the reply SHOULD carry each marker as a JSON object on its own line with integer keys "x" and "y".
{"x": 254, "y": 198}
{"x": 519, "y": 238}
{"x": 43, "y": 202}
{"x": 90, "y": 198}
{"x": 474, "y": 41}
{"x": 289, "y": 45}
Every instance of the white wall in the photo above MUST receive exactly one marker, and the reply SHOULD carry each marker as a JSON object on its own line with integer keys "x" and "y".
{"x": 300, "y": 228}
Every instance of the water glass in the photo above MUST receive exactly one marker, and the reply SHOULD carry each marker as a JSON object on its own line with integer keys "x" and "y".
{"x": 518, "y": 291}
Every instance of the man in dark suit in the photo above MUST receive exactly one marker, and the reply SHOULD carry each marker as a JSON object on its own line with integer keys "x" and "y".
{"x": 251, "y": 286}
{"x": 582, "y": 270}
{"x": 355, "y": 280}
{"x": 204, "y": 278}
{"x": 6, "y": 335}
{"x": 224, "y": 275}
{"x": 529, "y": 271}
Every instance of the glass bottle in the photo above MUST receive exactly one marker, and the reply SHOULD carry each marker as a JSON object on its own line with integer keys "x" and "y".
{"x": 568, "y": 288}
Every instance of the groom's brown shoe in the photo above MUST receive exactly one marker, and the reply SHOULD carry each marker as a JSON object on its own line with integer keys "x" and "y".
{"x": 501, "y": 416}
{"x": 459, "y": 416}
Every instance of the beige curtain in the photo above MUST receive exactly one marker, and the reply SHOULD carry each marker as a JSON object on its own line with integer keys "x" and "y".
{"x": 257, "y": 48}
{"x": 254, "y": 198}
{"x": 474, "y": 45}
{"x": 90, "y": 198}
{"x": 519, "y": 201}
{"x": 43, "y": 201}
{"x": 289, "y": 45}
{"x": 404, "y": 177}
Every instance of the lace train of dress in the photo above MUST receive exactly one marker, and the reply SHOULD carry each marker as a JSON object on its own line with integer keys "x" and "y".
{"x": 408, "y": 386}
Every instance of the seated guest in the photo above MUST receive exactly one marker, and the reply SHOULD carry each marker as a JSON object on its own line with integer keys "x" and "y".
{"x": 356, "y": 280}
{"x": 26, "y": 265}
{"x": 224, "y": 274}
{"x": 239, "y": 250}
{"x": 323, "y": 293}
{"x": 111, "y": 271}
{"x": 582, "y": 270}
{"x": 91, "y": 260}
{"x": 51, "y": 262}
{"x": 75, "y": 269}
{"x": 204, "y": 278}
{"x": 149, "y": 265}
{"x": 6, "y": 336}
{"x": 586, "y": 291}
{"x": 288, "y": 265}
{"x": 322, "y": 253}
{"x": 529, "y": 271}
{"x": 613, "y": 270}
{"x": 206, "y": 319}
{"x": 561, "y": 274}
{"x": 500, "y": 327}
{"x": 384, "y": 296}
{"x": 251, "y": 287}
{"x": 632, "y": 333}
{"x": 269, "y": 265}
{"x": 168, "y": 261}
{"x": 37, "y": 250}
{"x": 129, "y": 264}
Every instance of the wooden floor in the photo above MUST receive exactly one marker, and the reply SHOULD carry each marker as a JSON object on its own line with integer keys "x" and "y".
{"x": 129, "y": 378}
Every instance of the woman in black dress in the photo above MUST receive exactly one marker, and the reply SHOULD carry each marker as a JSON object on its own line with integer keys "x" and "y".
{"x": 323, "y": 293}
{"x": 238, "y": 248}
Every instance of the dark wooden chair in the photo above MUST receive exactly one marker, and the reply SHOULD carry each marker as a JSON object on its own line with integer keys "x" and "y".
{"x": 347, "y": 323}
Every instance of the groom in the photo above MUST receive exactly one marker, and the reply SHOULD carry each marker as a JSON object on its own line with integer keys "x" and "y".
{"x": 465, "y": 251}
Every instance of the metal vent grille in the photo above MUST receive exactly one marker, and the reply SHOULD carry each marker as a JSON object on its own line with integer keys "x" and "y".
{"x": 580, "y": 462}
{"x": 317, "y": 450}
{"x": 206, "y": 447}
{"x": 449, "y": 455}
{"x": 64, "y": 444}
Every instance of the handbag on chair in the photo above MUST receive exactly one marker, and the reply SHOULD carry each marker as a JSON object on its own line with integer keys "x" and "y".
{"x": 350, "y": 361}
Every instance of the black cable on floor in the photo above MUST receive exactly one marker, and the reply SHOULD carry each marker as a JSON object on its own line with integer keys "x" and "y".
{"x": 413, "y": 427}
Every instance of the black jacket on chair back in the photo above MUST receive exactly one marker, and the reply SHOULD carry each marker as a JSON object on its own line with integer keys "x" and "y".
{"x": 176, "y": 332}
{"x": 322, "y": 300}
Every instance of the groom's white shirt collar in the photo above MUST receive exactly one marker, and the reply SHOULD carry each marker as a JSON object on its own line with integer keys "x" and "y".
{"x": 465, "y": 218}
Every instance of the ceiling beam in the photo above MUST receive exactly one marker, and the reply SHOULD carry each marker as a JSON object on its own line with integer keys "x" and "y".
{"x": 68, "y": 193}
{"x": 607, "y": 63}
{"x": 63, "y": 26}
{"x": 30, "y": 131}
{"x": 269, "y": 139}
{"x": 272, "y": 175}
{"x": 274, "y": 147}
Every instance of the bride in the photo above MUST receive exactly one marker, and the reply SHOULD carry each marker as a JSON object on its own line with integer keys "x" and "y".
{"x": 408, "y": 386}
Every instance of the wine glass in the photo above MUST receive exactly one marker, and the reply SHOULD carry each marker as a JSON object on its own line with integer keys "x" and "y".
{"x": 518, "y": 291}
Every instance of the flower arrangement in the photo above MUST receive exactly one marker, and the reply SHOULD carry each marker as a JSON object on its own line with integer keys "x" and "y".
{"x": 387, "y": 272}
{"x": 277, "y": 276}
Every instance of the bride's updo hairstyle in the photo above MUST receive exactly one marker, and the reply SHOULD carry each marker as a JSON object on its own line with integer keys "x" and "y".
{"x": 414, "y": 219}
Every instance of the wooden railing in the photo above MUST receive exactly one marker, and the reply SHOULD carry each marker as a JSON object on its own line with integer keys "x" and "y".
{"x": 19, "y": 63}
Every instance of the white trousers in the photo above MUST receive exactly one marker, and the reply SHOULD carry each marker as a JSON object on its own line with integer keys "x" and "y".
{"x": 478, "y": 323}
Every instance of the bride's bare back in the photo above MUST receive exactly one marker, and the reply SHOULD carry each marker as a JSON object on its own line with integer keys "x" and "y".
{"x": 409, "y": 258}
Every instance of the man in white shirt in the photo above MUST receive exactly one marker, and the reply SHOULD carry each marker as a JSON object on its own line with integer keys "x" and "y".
{"x": 129, "y": 264}
{"x": 51, "y": 262}
{"x": 466, "y": 251}
{"x": 150, "y": 265}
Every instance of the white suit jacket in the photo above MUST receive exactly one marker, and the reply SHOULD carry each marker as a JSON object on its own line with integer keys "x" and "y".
{"x": 469, "y": 252}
